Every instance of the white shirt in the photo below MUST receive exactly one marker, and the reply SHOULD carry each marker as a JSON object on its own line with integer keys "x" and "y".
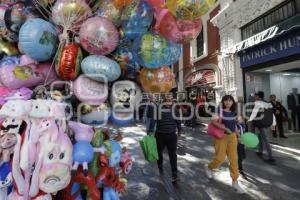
{"x": 257, "y": 106}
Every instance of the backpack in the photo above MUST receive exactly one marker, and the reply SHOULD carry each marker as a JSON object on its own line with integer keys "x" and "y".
{"x": 264, "y": 118}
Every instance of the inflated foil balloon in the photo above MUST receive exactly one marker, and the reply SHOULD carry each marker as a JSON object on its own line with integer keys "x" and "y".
{"x": 8, "y": 49}
{"x": 189, "y": 10}
{"x": 108, "y": 10}
{"x": 90, "y": 91}
{"x": 125, "y": 95}
{"x": 136, "y": 18}
{"x": 95, "y": 115}
{"x": 100, "y": 68}
{"x": 124, "y": 57}
{"x": 178, "y": 31}
{"x": 68, "y": 62}
{"x": 121, "y": 118}
{"x": 12, "y": 17}
{"x": 68, "y": 13}
{"x": 152, "y": 51}
{"x": 10, "y": 60}
{"x": 157, "y": 80}
{"x": 98, "y": 36}
{"x": 37, "y": 39}
{"x": 121, "y": 3}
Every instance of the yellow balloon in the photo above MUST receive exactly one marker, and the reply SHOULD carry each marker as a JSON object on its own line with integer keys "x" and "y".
{"x": 8, "y": 48}
{"x": 73, "y": 8}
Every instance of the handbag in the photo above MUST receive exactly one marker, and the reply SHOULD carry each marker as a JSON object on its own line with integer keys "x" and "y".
{"x": 149, "y": 148}
{"x": 214, "y": 131}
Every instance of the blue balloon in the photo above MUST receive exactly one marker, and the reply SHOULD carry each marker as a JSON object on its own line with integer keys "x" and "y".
{"x": 10, "y": 60}
{"x": 136, "y": 18}
{"x": 152, "y": 51}
{"x": 110, "y": 194}
{"x": 100, "y": 67}
{"x": 117, "y": 120}
{"x": 38, "y": 39}
{"x": 83, "y": 152}
{"x": 116, "y": 151}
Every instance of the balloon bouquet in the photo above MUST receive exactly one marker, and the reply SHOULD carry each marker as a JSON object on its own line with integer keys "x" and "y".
{"x": 69, "y": 67}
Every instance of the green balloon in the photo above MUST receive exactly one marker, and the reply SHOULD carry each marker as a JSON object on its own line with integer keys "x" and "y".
{"x": 250, "y": 140}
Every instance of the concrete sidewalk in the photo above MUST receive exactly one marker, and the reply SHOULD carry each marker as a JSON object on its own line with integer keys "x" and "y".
{"x": 195, "y": 149}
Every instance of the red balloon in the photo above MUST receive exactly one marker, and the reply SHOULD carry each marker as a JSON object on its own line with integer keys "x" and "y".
{"x": 178, "y": 31}
{"x": 88, "y": 180}
{"x": 68, "y": 63}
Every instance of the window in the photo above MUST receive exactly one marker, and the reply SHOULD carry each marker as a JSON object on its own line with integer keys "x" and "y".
{"x": 275, "y": 16}
{"x": 200, "y": 44}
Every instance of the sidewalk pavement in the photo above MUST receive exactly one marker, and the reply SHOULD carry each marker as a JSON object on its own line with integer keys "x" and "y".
{"x": 195, "y": 150}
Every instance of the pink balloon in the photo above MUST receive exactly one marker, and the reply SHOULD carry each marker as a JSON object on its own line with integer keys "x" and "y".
{"x": 99, "y": 36}
{"x": 48, "y": 72}
{"x": 26, "y": 60}
{"x": 178, "y": 31}
{"x": 90, "y": 91}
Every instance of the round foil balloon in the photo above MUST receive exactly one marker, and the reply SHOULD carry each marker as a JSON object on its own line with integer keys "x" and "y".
{"x": 124, "y": 57}
{"x": 100, "y": 68}
{"x": 99, "y": 36}
{"x": 10, "y": 60}
{"x": 125, "y": 95}
{"x": 157, "y": 80}
{"x": 108, "y": 10}
{"x": 95, "y": 115}
{"x": 90, "y": 91}
{"x": 68, "y": 13}
{"x": 8, "y": 49}
{"x": 189, "y": 10}
{"x": 152, "y": 51}
{"x": 68, "y": 62}
{"x": 178, "y": 31}
{"x": 37, "y": 39}
{"x": 121, "y": 118}
{"x": 121, "y": 3}
{"x": 136, "y": 18}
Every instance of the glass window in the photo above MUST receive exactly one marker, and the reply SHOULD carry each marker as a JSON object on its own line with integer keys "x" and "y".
{"x": 279, "y": 14}
{"x": 200, "y": 44}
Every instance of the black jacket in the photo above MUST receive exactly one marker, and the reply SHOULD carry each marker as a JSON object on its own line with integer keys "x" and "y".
{"x": 292, "y": 102}
{"x": 279, "y": 107}
{"x": 167, "y": 124}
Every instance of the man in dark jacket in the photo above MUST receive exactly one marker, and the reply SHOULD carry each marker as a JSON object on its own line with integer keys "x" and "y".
{"x": 166, "y": 136}
{"x": 278, "y": 111}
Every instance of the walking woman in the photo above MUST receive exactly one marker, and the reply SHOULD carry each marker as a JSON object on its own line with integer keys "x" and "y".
{"x": 166, "y": 136}
{"x": 227, "y": 146}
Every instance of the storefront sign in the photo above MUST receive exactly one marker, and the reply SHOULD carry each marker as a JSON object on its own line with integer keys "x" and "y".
{"x": 280, "y": 47}
{"x": 201, "y": 77}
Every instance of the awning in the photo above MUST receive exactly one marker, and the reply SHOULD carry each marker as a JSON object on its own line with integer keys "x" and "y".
{"x": 267, "y": 34}
{"x": 201, "y": 77}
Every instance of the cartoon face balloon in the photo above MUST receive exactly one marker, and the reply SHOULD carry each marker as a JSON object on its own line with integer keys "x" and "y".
{"x": 153, "y": 50}
{"x": 125, "y": 95}
{"x": 157, "y": 80}
{"x": 98, "y": 36}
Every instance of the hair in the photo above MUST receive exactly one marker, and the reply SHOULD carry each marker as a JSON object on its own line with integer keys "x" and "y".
{"x": 272, "y": 95}
{"x": 260, "y": 94}
{"x": 228, "y": 97}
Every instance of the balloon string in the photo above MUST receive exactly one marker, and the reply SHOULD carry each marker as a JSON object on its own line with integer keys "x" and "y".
{"x": 52, "y": 64}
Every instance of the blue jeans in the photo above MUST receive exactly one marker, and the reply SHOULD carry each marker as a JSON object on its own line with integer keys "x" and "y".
{"x": 150, "y": 125}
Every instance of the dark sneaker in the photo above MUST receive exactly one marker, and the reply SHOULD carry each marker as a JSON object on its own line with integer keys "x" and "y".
{"x": 270, "y": 161}
{"x": 244, "y": 175}
{"x": 160, "y": 169}
{"x": 283, "y": 136}
{"x": 259, "y": 154}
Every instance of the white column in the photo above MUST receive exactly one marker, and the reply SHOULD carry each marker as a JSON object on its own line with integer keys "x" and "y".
{"x": 180, "y": 72}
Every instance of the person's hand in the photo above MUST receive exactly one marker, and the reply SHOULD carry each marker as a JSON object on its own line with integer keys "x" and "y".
{"x": 273, "y": 128}
{"x": 277, "y": 112}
